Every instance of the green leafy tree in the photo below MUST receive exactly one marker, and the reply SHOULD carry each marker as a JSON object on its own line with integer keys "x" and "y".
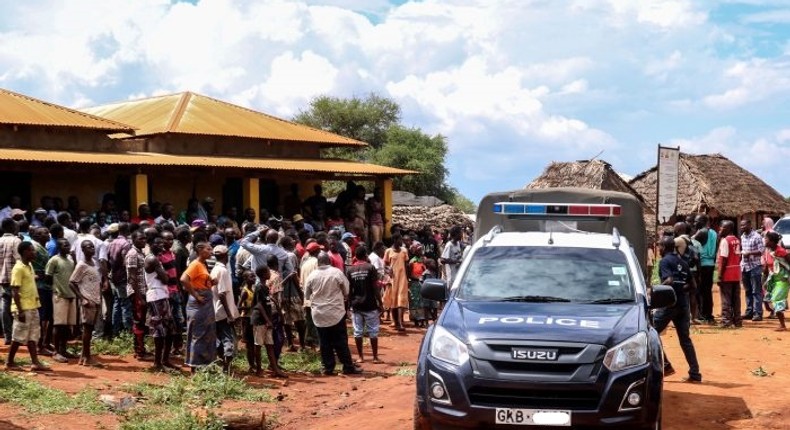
{"x": 376, "y": 121}
{"x": 411, "y": 149}
{"x": 365, "y": 119}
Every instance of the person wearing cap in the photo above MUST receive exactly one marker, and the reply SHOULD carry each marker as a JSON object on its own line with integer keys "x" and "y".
{"x": 18, "y": 214}
{"x": 300, "y": 224}
{"x": 39, "y": 216}
{"x": 201, "y": 328}
{"x": 225, "y": 311}
{"x": 326, "y": 290}
{"x": 14, "y": 203}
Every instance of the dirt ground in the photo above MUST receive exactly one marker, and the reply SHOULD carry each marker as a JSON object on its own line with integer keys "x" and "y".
{"x": 732, "y": 396}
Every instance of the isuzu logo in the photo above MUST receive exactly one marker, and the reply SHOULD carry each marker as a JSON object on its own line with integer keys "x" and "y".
{"x": 534, "y": 354}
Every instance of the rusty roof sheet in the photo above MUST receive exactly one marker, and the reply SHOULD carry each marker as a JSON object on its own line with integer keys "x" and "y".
{"x": 342, "y": 167}
{"x": 19, "y": 109}
{"x": 190, "y": 113}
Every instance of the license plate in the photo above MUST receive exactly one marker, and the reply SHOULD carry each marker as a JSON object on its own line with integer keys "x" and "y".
{"x": 533, "y": 417}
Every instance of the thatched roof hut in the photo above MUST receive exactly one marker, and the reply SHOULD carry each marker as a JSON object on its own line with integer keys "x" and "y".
{"x": 596, "y": 175}
{"x": 715, "y": 185}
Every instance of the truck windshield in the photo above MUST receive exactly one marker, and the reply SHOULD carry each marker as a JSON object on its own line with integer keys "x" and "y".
{"x": 547, "y": 274}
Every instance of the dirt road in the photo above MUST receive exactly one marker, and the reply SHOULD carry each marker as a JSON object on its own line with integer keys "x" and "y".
{"x": 745, "y": 373}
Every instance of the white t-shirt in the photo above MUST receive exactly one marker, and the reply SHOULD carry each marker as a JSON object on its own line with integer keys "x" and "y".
{"x": 224, "y": 285}
{"x": 98, "y": 246}
{"x": 452, "y": 252}
{"x": 376, "y": 261}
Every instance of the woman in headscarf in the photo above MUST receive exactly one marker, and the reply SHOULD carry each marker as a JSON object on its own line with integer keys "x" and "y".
{"x": 201, "y": 328}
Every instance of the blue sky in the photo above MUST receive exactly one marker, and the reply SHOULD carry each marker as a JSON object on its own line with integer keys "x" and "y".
{"x": 513, "y": 84}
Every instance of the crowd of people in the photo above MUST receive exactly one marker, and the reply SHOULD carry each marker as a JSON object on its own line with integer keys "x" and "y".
{"x": 199, "y": 284}
{"x": 693, "y": 252}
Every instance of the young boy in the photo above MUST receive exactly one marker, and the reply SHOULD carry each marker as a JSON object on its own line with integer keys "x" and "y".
{"x": 263, "y": 329}
{"x": 26, "y": 329}
{"x": 87, "y": 281}
{"x": 245, "y": 308}
{"x": 416, "y": 270}
{"x": 58, "y": 274}
{"x": 275, "y": 288}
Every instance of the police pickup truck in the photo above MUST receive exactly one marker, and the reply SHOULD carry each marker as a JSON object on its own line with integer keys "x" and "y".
{"x": 547, "y": 323}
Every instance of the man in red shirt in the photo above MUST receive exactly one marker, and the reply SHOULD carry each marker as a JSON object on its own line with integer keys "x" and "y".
{"x": 729, "y": 263}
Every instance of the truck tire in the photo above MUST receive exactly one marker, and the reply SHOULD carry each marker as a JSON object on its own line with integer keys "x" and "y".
{"x": 421, "y": 422}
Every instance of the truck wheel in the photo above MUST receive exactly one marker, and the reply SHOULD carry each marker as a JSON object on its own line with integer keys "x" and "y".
{"x": 421, "y": 422}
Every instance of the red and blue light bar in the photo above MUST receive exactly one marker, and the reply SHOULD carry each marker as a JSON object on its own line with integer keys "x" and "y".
{"x": 559, "y": 210}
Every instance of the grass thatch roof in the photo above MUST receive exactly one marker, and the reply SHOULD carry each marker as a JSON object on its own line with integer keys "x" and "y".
{"x": 713, "y": 183}
{"x": 596, "y": 175}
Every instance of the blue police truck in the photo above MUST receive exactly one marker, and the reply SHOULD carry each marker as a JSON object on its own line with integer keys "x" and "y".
{"x": 547, "y": 322}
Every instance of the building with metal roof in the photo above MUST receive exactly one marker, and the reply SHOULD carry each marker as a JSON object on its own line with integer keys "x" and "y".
{"x": 169, "y": 148}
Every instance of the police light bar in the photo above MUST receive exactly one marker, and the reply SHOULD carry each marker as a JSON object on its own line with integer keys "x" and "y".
{"x": 557, "y": 210}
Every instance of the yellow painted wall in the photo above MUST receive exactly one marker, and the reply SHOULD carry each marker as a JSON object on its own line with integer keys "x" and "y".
{"x": 176, "y": 188}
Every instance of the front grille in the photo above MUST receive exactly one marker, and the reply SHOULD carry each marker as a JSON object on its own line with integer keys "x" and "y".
{"x": 533, "y": 367}
{"x": 520, "y": 398}
{"x": 498, "y": 347}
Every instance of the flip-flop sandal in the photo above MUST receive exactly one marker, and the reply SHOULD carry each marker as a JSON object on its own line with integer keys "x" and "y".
{"x": 377, "y": 361}
{"x": 359, "y": 361}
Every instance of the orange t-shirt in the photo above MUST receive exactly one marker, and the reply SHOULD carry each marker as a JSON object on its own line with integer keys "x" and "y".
{"x": 198, "y": 275}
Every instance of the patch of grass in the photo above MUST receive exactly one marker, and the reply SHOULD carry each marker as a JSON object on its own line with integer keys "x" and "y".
{"x": 38, "y": 399}
{"x": 304, "y": 362}
{"x": 119, "y": 346}
{"x": 405, "y": 371}
{"x": 207, "y": 388}
{"x": 178, "y": 420}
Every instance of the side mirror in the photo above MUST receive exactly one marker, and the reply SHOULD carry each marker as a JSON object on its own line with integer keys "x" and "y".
{"x": 662, "y": 296}
{"x": 434, "y": 289}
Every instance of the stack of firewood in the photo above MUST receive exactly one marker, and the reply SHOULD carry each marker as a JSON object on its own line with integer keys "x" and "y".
{"x": 437, "y": 217}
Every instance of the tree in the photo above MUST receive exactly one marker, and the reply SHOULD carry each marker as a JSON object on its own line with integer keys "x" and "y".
{"x": 376, "y": 121}
{"x": 411, "y": 149}
{"x": 365, "y": 119}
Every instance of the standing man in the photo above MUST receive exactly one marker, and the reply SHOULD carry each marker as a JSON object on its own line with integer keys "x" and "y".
{"x": 676, "y": 273}
{"x": 326, "y": 290}
{"x": 452, "y": 254}
{"x": 86, "y": 280}
{"x": 64, "y": 298}
{"x": 166, "y": 217}
{"x": 116, "y": 255}
{"x": 136, "y": 289}
{"x": 26, "y": 326}
{"x": 225, "y": 311}
{"x": 40, "y": 237}
{"x": 729, "y": 262}
{"x": 9, "y": 255}
{"x": 233, "y": 248}
{"x": 168, "y": 260}
{"x": 365, "y": 301}
{"x": 752, "y": 248}
{"x": 707, "y": 264}
{"x": 260, "y": 253}
{"x": 157, "y": 298}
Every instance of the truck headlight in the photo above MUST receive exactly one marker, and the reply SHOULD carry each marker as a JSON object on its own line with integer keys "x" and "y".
{"x": 629, "y": 353}
{"x": 448, "y": 348}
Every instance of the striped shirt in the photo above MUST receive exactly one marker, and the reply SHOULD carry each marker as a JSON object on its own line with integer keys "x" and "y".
{"x": 168, "y": 260}
{"x": 751, "y": 242}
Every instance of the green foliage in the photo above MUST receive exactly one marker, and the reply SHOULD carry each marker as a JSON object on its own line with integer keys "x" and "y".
{"x": 208, "y": 388}
{"x": 38, "y": 399}
{"x": 365, "y": 119}
{"x": 411, "y": 149}
{"x": 302, "y": 362}
{"x": 376, "y": 120}
{"x": 177, "y": 420}
{"x": 118, "y": 346}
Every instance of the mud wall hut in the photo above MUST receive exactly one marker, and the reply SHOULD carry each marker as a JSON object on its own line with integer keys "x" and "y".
{"x": 714, "y": 185}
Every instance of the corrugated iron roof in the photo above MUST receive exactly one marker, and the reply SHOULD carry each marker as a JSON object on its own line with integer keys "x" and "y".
{"x": 19, "y": 109}
{"x": 342, "y": 167}
{"x": 190, "y": 113}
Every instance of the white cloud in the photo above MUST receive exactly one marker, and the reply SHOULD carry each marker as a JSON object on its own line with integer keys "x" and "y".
{"x": 754, "y": 80}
